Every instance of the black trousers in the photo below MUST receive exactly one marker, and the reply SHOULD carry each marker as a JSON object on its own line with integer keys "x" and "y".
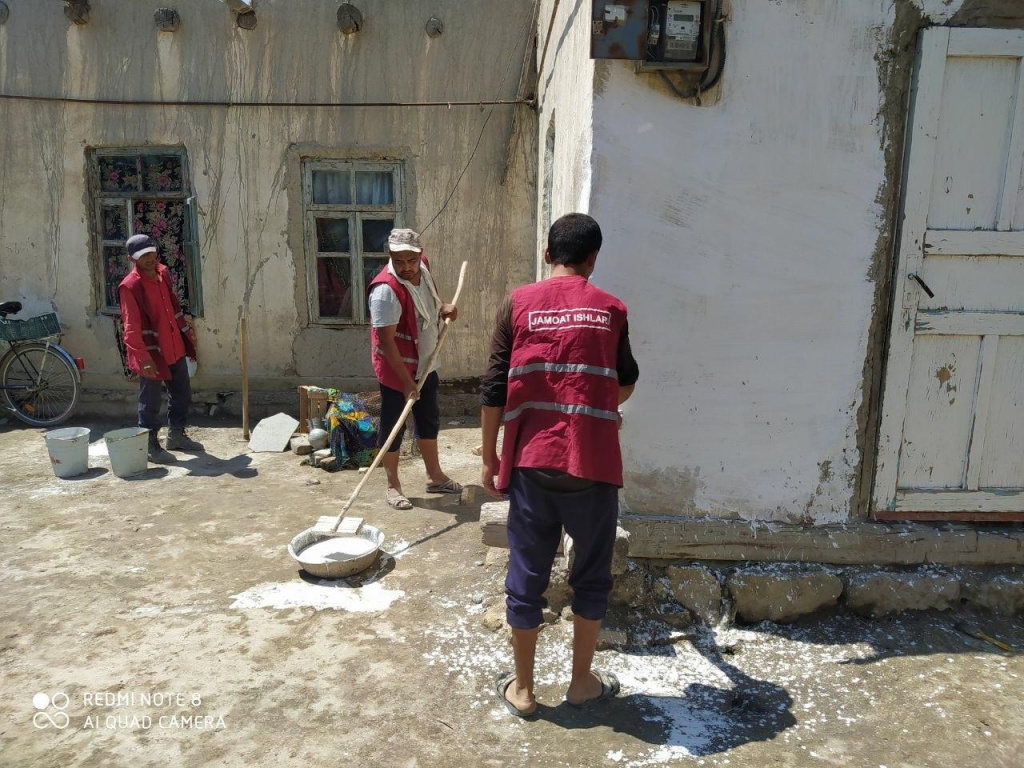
{"x": 426, "y": 412}
{"x": 179, "y": 397}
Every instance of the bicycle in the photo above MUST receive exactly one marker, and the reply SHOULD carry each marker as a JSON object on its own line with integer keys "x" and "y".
{"x": 39, "y": 379}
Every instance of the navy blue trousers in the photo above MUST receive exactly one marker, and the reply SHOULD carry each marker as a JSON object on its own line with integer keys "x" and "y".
{"x": 179, "y": 397}
{"x": 536, "y": 518}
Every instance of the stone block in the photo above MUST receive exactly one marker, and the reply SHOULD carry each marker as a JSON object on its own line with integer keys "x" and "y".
{"x": 496, "y": 558}
{"x": 558, "y": 593}
{"x": 493, "y": 618}
{"x": 620, "y": 555}
{"x": 273, "y": 434}
{"x": 300, "y": 445}
{"x": 782, "y": 595}
{"x": 998, "y": 593}
{"x": 884, "y": 593}
{"x": 697, "y": 589}
{"x": 631, "y": 588}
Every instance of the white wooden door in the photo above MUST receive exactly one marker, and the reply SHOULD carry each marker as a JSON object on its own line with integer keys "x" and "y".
{"x": 951, "y": 443}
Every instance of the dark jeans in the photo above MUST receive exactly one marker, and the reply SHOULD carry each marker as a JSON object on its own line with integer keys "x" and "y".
{"x": 425, "y": 412}
{"x": 179, "y": 397}
{"x": 536, "y": 518}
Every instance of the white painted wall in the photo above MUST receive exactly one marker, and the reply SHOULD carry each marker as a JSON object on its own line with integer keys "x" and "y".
{"x": 741, "y": 235}
{"x": 566, "y": 101}
{"x": 246, "y": 168}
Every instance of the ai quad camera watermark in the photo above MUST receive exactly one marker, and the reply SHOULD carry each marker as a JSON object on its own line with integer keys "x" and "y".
{"x": 127, "y": 710}
{"x": 50, "y": 710}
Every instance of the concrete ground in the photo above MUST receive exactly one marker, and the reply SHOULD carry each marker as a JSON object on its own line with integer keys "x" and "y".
{"x": 167, "y": 612}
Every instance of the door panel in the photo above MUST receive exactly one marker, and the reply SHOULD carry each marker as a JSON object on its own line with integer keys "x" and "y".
{"x": 968, "y": 185}
{"x": 950, "y": 444}
{"x": 938, "y": 427}
{"x": 1002, "y": 463}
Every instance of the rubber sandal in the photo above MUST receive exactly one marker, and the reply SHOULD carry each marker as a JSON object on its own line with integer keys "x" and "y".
{"x": 398, "y": 501}
{"x": 501, "y": 685}
{"x": 610, "y": 688}
{"x": 449, "y": 486}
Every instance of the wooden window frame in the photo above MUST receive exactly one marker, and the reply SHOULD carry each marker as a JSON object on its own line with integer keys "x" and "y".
{"x": 101, "y": 199}
{"x": 356, "y": 214}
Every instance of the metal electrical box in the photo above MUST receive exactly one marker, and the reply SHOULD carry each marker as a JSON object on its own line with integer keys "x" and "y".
{"x": 657, "y": 33}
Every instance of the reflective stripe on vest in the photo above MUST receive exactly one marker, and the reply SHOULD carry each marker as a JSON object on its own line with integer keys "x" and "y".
{"x": 597, "y": 370}
{"x": 404, "y": 336}
{"x": 570, "y": 408}
{"x": 380, "y": 351}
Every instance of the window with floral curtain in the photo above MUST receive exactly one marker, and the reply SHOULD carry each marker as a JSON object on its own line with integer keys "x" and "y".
{"x": 350, "y": 209}
{"x": 146, "y": 191}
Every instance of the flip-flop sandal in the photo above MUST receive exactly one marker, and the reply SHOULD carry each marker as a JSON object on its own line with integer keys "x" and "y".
{"x": 398, "y": 501}
{"x": 501, "y": 685}
{"x": 447, "y": 487}
{"x": 610, "y": 688}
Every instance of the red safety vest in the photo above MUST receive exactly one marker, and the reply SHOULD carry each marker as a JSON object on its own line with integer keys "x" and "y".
{"x": 563, "y": 387}
{"x": 133, "y": 284}
{"x": 407, "y": 334}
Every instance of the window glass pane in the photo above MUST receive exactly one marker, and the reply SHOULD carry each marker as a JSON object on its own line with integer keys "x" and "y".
{"x": 162, "y": 173}
{"x": 334, "y": 284}
{"x": 332, "y": 236}
{"x": 375, "y": 234}
{"x": 164, "y": 221}
{"x": 115, "y": 222}
{"x": 118, "y": 174}
{"x": 115, "y": 267}
{"x": 332, "y": 187}
{"x": 375, "y": 188}
{"x": 371, "y": 267}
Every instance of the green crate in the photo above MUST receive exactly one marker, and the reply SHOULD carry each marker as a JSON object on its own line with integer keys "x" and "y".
{"x": 33, "y": 328}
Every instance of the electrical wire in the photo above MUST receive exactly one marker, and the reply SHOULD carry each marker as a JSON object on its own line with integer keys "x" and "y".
{"x": 479, "y": 138}
{"x": 353, "y": 104}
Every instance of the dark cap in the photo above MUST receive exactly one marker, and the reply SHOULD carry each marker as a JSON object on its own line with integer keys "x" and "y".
{"x": 139, "y": 245}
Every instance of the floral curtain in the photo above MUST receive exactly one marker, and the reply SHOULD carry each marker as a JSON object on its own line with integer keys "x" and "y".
{"x": 164, "y": 221}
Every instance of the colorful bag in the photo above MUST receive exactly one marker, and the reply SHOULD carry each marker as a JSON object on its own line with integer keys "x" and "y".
{"x": 353, "y": 431}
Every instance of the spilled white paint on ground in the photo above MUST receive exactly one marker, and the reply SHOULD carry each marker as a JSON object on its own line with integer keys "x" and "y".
{"x": 398, "y": 549}
{"x": 334, "y": 594}
{"x": 765, "y": 686}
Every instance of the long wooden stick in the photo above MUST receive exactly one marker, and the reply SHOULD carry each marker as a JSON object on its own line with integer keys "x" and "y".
{"x": 243, "y": 342}
{"x": 408, "y": 405}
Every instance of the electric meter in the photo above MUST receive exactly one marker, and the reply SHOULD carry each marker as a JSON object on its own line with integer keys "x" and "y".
{"x": 682, "y": 30}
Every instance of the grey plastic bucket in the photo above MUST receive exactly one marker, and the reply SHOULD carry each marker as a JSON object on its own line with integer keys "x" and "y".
{"x": 69, "y": 450}
{"x": 127, "y": 449}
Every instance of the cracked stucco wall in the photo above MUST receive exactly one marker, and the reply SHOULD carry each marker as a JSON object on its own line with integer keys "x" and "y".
{"x": 245, "y": 162}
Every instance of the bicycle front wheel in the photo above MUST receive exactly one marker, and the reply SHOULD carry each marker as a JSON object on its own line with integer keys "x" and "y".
{"x": 39, "y": 385}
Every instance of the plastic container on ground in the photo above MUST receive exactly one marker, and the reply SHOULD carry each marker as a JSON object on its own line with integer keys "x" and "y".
{"x": 69, "y": 450}
{"x": 127, "y": 449}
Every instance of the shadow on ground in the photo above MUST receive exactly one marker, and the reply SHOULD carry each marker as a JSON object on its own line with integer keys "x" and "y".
{"x": 752, "y": 710}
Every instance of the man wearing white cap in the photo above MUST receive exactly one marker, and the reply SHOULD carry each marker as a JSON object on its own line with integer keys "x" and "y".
{"x": 157, "y": 339}
{"x": 405, "y": 312}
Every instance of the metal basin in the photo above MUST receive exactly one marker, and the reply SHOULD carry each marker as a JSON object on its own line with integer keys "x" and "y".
{"x": 340, "y": 567}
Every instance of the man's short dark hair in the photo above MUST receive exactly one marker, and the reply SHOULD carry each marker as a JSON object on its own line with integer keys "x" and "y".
{"x": 573, "y": 238}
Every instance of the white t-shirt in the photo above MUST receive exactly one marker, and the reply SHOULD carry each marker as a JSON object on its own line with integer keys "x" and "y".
{"x": 385, "y": 309}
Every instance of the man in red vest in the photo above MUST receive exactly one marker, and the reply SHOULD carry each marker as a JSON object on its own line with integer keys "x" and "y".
{"x": 560, "y": 366}
{"x": 405, "y": 311}
{"x": 157, "y": 339}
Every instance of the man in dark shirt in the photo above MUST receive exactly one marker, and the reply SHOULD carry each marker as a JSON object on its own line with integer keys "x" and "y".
{"x": 560, "y": 463}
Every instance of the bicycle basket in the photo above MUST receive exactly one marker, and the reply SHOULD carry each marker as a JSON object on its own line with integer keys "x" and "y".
{"x": 33, "y": 328}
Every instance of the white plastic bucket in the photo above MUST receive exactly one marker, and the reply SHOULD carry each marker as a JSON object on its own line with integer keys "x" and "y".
{"x": 69, "y": 450}
{"x": 127, "y": 449}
